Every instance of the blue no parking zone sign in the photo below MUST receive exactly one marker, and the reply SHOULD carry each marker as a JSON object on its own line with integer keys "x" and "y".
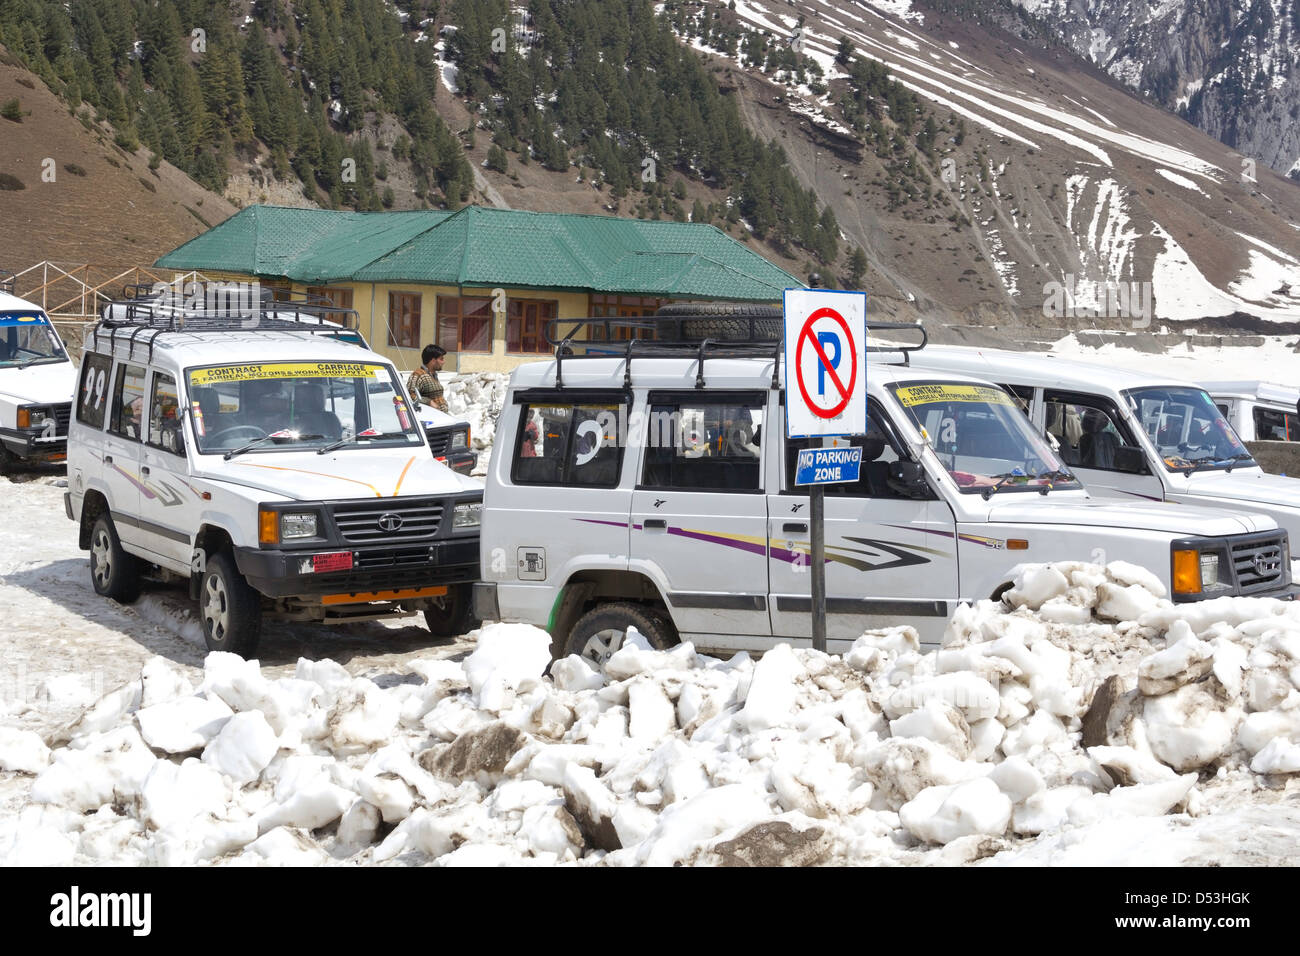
{"x": 827, "y": 466}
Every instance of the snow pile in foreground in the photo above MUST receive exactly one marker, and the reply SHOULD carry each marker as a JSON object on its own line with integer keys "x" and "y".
{"x": 1087, "y": 700}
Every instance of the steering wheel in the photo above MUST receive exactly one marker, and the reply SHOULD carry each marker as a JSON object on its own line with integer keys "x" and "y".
{"x": 227, "y": 432}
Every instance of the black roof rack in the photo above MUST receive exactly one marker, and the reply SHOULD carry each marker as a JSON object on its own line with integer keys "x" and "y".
{"x": 668, "y": 337}
{"x": 7, "y": 279}
{"x": 160, "y": 313}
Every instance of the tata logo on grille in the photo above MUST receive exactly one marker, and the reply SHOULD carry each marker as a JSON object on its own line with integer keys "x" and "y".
{"x": 1268, "y": 562}
{"x": 390, "y": 522}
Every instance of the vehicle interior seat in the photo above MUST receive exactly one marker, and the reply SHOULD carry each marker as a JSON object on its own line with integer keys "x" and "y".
{"x": 310, "y": 414}
{"x": 1097, "y": 446}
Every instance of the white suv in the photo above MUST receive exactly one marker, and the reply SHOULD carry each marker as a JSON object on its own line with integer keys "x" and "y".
{"x": 1133, "y": 434}
{"x": 36, "y": 383}
{"x": 656, "y": 490}
{"x": 1259, "y": 411}
{"x": 280, "y": 471}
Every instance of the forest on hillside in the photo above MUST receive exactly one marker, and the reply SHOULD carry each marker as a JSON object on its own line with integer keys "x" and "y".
{"x": 293, "y": 82}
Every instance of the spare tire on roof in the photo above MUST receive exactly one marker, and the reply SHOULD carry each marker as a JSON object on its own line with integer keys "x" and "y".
{"x": 722, "y": 321}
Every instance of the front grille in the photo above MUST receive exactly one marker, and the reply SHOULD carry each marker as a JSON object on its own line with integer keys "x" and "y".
{"x": 401, "y": 558}
{"x": 1258, "y": 564}
{"x": 62, "y": 415}
{"x": 439, "y": 441}
{"x": 418, "y": 519}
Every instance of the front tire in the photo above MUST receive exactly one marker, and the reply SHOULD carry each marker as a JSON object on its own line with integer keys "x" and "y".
{"x": 600, "y": 633}
{"x": 229, "y": 609}
{"x": 113, "y": 573}
{"x": 454, "y": 614}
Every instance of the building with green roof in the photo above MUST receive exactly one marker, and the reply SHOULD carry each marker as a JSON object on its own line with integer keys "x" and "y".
{"x": 482, "y": 282}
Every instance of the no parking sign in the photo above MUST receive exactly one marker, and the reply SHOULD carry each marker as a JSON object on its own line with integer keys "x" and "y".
{"x": 825, "y": 363}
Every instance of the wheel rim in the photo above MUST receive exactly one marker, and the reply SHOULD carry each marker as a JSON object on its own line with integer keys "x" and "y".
{"x": 216, "y": 608}
{"x": 101, "y": 558}
{"x": 603, "y": 645}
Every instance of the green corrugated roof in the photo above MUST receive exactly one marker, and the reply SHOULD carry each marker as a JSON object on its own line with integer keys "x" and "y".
{"x": 306, "y": 245}
{"x": 480, "y": 246}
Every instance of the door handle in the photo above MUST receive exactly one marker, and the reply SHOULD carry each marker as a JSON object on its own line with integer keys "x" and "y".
{"x": 108, "y": 459}
{"x": 655, "y": 524}
{"x": 795, "y": 527}
{"x": 144, "y": 469}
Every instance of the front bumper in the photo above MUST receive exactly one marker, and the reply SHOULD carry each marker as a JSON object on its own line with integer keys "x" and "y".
{"x": 31, "y": 447}
{"x": 375, "y": 570}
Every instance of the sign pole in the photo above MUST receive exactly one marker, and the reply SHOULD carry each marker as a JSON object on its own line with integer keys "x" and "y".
{"x": 817, "y": 526}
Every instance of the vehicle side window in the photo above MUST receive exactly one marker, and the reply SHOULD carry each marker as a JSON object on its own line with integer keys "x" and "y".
{"x": 1088, "y": 429}
{"x": 1023, "y": 394}
{"x": 878, "y": 453}
{"x": 702, "y": 445}
{"x": 569, "y": 443}
{"x": 1272, "y": 425}
{"x": 92, "y": 397}
{"x": 164, "y": 415}
{"x": 128, "y": 402}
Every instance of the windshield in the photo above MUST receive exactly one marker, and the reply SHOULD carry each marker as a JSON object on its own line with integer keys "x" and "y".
{"x": 26, "y": 339}
{"x": 982, "y": 438}
{"x": 1187, "y": 428}
{"x": 298, "y": 404}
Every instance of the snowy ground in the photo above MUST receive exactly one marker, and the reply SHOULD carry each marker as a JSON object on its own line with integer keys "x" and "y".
{"x": 1094, "y": 723}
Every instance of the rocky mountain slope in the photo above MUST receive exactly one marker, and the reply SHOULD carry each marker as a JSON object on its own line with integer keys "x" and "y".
{"x": 1051, "y": 194}
{"x": 1227, "y": 66}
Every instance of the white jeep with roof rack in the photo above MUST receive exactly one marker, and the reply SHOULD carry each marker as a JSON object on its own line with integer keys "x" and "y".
{"x": 655, "y": 489}
{"x": 36, "y": 383}
{"x": 277, "y": 468}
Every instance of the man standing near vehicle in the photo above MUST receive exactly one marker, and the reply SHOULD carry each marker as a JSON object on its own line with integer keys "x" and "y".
{"x": 423, "y": 383}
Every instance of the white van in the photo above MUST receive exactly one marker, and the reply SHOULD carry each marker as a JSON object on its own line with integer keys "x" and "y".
{"x": 657, "y": 491}
{"x": 36, "y": 383}
{"x": 1259, "y": 411}
{"x": 1132, "y": 434}
{"x": 281, "y": 472}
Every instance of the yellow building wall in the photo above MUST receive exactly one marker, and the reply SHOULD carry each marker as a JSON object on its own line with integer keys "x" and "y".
{"x": 370, "y": 300}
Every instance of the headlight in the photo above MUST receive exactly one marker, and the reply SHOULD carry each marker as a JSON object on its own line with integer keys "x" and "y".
{"x": 297, "y": 525}
{"x": 467, "y": 515}
{"x": 1209, "y": 571}
{"x": 460, "y": 439}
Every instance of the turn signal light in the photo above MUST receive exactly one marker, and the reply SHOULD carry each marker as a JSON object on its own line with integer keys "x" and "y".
{"x": 268, "y": 527}
{"x": 24, "y": 418}
{"x": 1187, "y": 572}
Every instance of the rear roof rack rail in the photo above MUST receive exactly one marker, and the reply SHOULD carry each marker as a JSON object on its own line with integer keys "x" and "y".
{"x": 166, "y": 312}
{"x": 667, "y": 337}
{"x": 7, "y": 280}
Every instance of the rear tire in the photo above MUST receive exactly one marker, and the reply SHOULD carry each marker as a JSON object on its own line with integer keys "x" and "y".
{"x": 454, "y": 614}
{"x": 230, "y": 611}
{"x": 599, "y": 633}
{"x": 113, "y": 573}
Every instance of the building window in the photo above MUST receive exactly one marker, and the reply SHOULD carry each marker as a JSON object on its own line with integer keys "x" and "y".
{"x": 622, "y": 307}
{"x": 465, "y": 323}
{"x": 337, "y": 296}
{"x": 526, "y": 325}
{"x": 404, "y": 320}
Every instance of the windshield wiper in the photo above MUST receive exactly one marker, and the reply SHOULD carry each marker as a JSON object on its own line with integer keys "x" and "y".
{"x": 360, "y": 436}
{"x": 274, "y": 436}
{"x": 1244, "y": 456}
{"x": 1001, "y": 480}
{"x": 1057, "y": 475}
{"x": 40, "y": 358}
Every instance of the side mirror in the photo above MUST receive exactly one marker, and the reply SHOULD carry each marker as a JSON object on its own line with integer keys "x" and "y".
{"x": 173, "y": 439}
{"x": 1129, "y": 458}
{"x": 907, "y": 478}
